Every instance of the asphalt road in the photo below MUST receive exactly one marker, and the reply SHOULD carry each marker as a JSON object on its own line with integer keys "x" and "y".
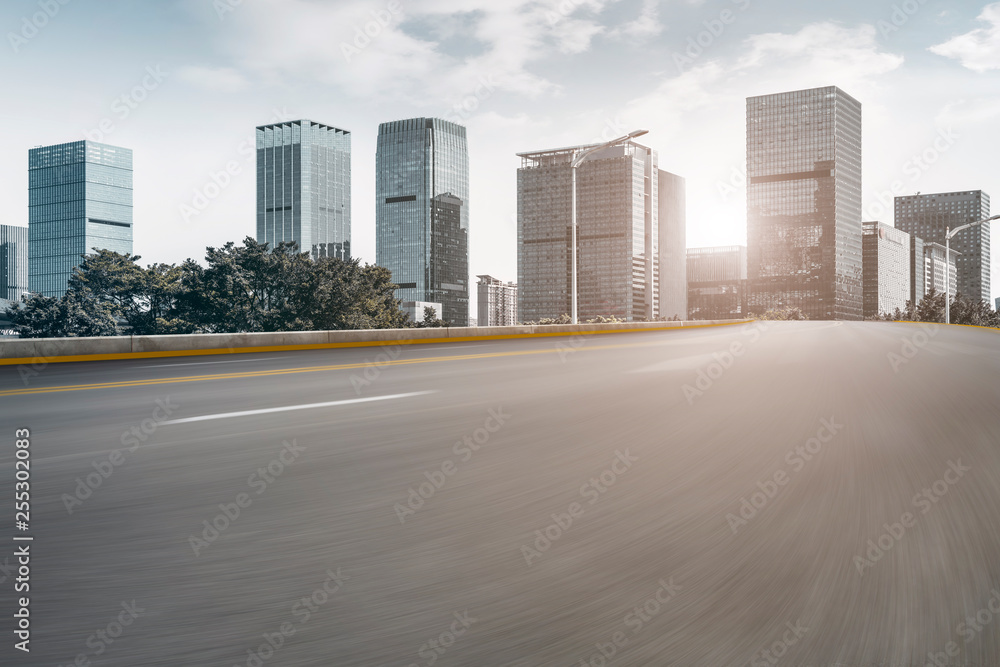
{"x": 826, "y": 492}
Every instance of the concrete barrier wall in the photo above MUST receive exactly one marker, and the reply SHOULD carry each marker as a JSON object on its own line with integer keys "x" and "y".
{"x": 120, "y": 347}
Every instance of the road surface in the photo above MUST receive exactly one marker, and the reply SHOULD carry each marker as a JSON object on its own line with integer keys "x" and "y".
{"x": 796, "y": 493}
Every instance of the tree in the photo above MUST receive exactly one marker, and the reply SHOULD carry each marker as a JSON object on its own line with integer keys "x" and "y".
{"x": 431, "y": 320}
{"x": 781, "y": 314}
{"x": 73, "y": 315}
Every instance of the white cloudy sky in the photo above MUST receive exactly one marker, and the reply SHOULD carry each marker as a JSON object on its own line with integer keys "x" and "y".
{"x": 556, "y": 73}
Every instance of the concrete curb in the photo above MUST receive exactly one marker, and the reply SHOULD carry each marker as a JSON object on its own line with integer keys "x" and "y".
{"x": 62, "y": 350}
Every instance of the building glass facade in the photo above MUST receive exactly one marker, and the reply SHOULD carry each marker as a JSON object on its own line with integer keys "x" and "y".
{"x": 929, "y": 217}
{"x": 804, "y": 203}
{"x": 13, "y": 262}
{"x": 672, "y": 246}
{"x": 304, "y": 187}
{"x": 934, "y": 276}
{"x": 619, "y": 232}
{"x": 717, "y": 283}
{"x": 79, "y": 201}
{"x": 422, "y": 212}
{"x": 496, "y": 303}
{"x": 887, "y": 279}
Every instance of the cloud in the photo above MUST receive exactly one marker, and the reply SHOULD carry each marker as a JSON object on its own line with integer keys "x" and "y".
{"x": 646, "y": 26}
{"x": 394, "y": 52}
{"x": 224, "y": 79}
{"x": 979, "y": 49}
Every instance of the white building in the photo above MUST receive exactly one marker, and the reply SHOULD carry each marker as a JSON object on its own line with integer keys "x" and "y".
{"x": 497, "y": 302}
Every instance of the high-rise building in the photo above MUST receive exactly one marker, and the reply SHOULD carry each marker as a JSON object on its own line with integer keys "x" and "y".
{"x": 422, "y": 212}
{"x": 887, "y": 282}
{"x": 13, "y": 262}
{"x": 496, "y": 302}
{"x": 672, "y": 246}
{"x": 804, "y": 203}
{"x": 929, "y": 217}
{"x": 304, "y": 187}
{"x": 717, "y": 279}
{"x": 918, "y": 270}
{"x": 79, "y": 201}
{"x": 623, "y": 202}
{"x": 934, "y": 276}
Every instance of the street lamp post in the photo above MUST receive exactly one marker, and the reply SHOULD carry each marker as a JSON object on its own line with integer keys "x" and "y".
{"x": 577, "y": 160}
{"x": 949, "y": 232}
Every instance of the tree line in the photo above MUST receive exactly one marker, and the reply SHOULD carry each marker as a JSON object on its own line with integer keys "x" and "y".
{"x": 244, "y": 288}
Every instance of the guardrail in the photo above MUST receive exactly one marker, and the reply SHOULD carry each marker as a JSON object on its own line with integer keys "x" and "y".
{"x": 54, "y": 350}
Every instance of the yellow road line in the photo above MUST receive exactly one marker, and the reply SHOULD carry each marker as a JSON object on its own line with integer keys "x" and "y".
{"x": 312, "y": 369}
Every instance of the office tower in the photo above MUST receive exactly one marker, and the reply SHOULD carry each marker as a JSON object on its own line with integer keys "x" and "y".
{"x": 422, "y": 212}
{"x": 887, "y": 280}
{"x": 934, "y": 254}
{"x": 13, "y": 262}
{"x": 672, "y": 260}
{"x": 496, "y": 302}
{"x": 79, "y": 201}
{"x": 929, "y": 216}
{"x": 304, "y": 187}
{"x": 804, "y": 203}
{"x": 918, "y": 270}
{"x": 619, "y": 213}
{"x": 717, "y": 283}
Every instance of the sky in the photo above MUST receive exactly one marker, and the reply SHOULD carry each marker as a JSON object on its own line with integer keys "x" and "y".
{"x": 183, "y": 83}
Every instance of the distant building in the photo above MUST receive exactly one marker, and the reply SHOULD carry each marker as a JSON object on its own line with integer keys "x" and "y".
{"x": 672, "y": 259}
{"x": 422, "y": 212}
{"x": 79, "y": 201}
{"x": 415, "y": 309}
{"x": 934, "y": 264}
{"x": 13, "y": 262}
{"x": 497, "y": 302}
{"x": 716, "y": 283}
{"x": 804, "y": 203}
{"x": 929, "y": 216}
{"x": 998, "y": 304}
{"x": 918, "y": 270}
{"x": 886, "y": 252}
{"x": 304, "y": 187}
{"x": 623, "y": 202}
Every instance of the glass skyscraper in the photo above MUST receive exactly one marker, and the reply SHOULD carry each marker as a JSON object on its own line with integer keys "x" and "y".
{"x": 626, "y": 209}
{"x": 804, "y": 203}
{"x": 304, "y": 187}
{"x": 79, "y": 200}
{"x": 13, "y": 262}
{"x": 929, "y": 216}
{"x": 422, "y": 212}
